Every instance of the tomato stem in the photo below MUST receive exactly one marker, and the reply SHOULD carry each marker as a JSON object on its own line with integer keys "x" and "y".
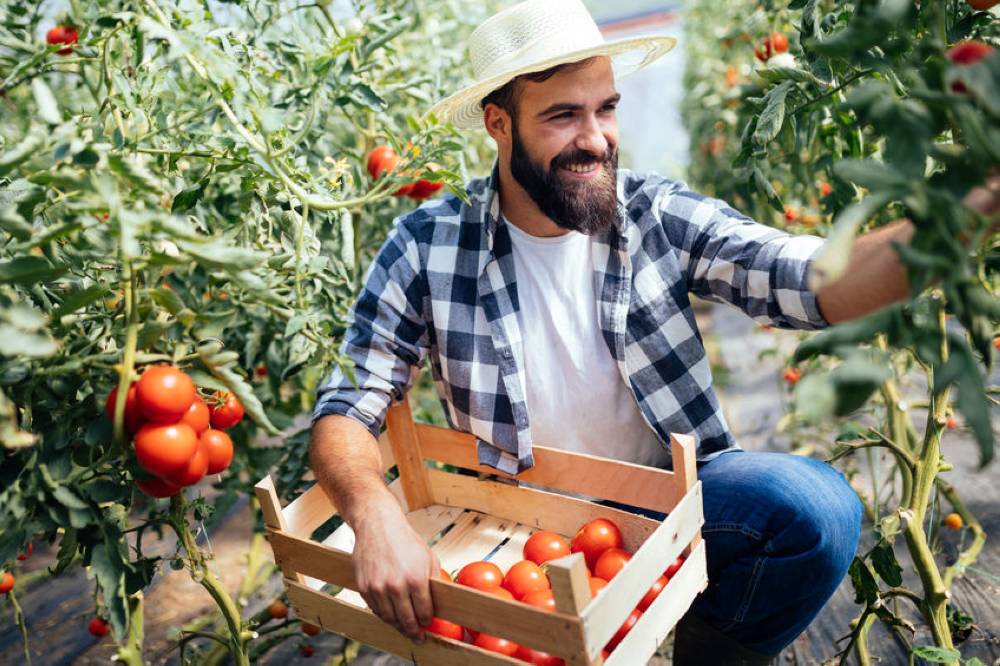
{"x": 204, "y": 576}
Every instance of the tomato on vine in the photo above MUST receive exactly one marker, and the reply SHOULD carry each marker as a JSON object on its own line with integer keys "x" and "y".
{"x": 62, "y": 34}
{"x": 6, "y": 582}
{"x": 164, "y": 393}
{"x": 197, "y": 416}
{"x": 27, "y": 552}
{"x": 133, "y": 418}
{"x": 225, "y": 410}
{"x": 382, "y": 160}
{"x": 157, "y": 487}
{"x": 967, "y": 52}
{"x": 194, "y": 471}
{"x": 953, "y": 521}
{"x": 218, "y": 448}
{"x": 792, "y": 376}
{"x": 165, "y": 450}
{"x": 98, "y": 628}
{"x": 278, "y": 610}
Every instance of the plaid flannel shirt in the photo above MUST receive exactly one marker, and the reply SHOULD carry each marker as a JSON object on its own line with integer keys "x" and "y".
{"x": 443, "y": 286}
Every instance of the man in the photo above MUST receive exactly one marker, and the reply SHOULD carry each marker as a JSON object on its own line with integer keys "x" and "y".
{"x": 554, "y": 308}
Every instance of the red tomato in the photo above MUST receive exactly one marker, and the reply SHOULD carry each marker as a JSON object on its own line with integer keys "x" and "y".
{"x": 538, "y": 658}
{"x": 610, "y": 563}
{"x": 225, "y": 411}
{"x": 779, "y": 42}
{"x": 307, "y": 650}
{"x": 652, "y": 593}
{"x": 310, "y": 629}
{"x": 596, "y": 585}
{"x": 218, "y": 448}
{"x": 194, "y": 471}
{"x": 27, "y": 553}
{"x": 623, "y": 630}
{"x": 525, "y": 577}
{"x": 382, "y": 159}
{"x": 969, "y": 52}
{"x": 62, "y": 34}
{"x": 544, "y": 546}
{"x": 278, "y": 610}
{"x": 951, "y": 423}
{"x": 674, "y": 567}
{"x": 165, "y": 449}
{"x": 133, "y": 419}
{"x": 825, "y": 189}
{"x": 424, "y": 188}
{"x": 792, "y": 376}
{"x": 444, "y": 628}
{"x": 197, "y": 416}
{"x": 982, "y": 5}
{"x": 763, "y": 50}
{"x": 98, "y": 627}
{"x": 157, "y": 487}
{"x": 445, "y": 576}
{"x": 541, "y": 599}
{"x": 496, "y": 644}
{"x": 596, "y": 537}
{"x": 6, "y": 582}
{"x": 502, "y": 593}
{"x": 164, "y": 394}
{"x": 484, "y": 576}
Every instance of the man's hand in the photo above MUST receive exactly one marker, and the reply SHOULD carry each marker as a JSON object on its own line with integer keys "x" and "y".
{"x": 393, "y": 567}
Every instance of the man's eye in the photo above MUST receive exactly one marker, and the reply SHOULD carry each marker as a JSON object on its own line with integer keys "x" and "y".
{"x": 610, "y": 108}
{"x": 560, "y": 116}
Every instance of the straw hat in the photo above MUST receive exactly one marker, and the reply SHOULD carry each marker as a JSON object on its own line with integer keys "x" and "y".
{"x": 534, "y": 36}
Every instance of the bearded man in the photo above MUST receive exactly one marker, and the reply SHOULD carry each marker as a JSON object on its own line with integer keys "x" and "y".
{"x": 555, "y": 308}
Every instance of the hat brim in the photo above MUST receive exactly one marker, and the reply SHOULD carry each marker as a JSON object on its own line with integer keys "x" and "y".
{"x": 628, "y": 55}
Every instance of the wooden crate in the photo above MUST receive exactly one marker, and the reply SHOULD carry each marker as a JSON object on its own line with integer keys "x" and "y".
{"x": 467, "y": 518}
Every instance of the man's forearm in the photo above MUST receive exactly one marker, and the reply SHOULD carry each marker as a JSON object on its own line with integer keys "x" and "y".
{"x": 346, "y": 461}
{"x": 874, "y": 278}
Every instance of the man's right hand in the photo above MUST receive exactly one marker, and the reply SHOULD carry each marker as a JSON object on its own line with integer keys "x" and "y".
{"x": 393, "y": 567}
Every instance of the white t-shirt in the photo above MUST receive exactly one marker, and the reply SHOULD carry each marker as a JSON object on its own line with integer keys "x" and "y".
{"x": 577, "y": 399}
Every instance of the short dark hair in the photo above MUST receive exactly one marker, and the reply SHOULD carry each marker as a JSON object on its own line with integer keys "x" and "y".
{"x": 506, "y": 97}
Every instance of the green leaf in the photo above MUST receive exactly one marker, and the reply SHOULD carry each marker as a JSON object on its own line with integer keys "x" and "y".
{"x": 972, "y": 401}
{"x": 937, "y": 655}
{"x": 48, "y": 109}
{"x": 13, "y": 223}
{"x": 108, "y": 568}
{"x": 865, "y": 587}
{"x": 217, "y": 255}
{"x": 79, "y": 299}
{"x": 773, "y": 116}
{"x": 873, "y": 175}
{"x": 15, "y": 341}
{"x": 187, "y": 198}
{"x": 886, "y": 566}
{"x": 68, "y": 498}
{"x": 241, "y": 389}
{"x": 25, "y": 150}
{"x": 28, "y": 270}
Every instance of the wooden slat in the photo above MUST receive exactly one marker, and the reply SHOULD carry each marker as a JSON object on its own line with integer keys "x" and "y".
{"x": 361, "y": 625}
{"x": 267, "y": 497}
{"x": 664, "y": 613}
{"x": 551, "y": 632}
{"x": 682, "y": 452}
{"x": 473, "y": 537}
{"x": 634, "y": 485}
{"x": 308, "y": 511}
{"x": 536, "y": 508}
{"x": 610, "y": 608}
{"x": 571, "y": 589}
{"x": 513, "y": 551}
{"x": 409, "y": 459}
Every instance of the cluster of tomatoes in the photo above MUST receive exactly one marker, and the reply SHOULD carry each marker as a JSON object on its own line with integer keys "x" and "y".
{"x": 383, "y": 160}
{"x": 600, "y": 542}
{"x": 179, "y": 438}
{"x": 769, "y": 46}
{"x": 62, "y": 34}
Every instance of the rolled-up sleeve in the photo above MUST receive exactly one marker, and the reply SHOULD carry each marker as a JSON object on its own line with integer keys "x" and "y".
{"x": 386, "y": 337}
{"x": 728, "y": 257}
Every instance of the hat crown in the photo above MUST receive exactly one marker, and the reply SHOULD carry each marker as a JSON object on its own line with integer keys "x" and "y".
{"x": 531, "y": 32}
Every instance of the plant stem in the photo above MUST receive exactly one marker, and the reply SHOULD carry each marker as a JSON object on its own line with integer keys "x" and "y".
{"x": 130, "y": 651}
{"x": 861, "y": 646}
{"x": 19, "y": 619}
{"x": 968, "y": 556}
{"x": 128, "y": 358}
{"x": 203, "y": 575}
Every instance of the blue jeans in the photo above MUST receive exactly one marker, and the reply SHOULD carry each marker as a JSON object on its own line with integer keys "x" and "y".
{"x": 780, "y": 532}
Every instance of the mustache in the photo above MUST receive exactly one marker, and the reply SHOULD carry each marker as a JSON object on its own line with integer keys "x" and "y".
{"x": 582, "y": 157}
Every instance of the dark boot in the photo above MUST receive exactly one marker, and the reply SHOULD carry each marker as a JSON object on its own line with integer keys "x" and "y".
{"x": 697, "y": 643}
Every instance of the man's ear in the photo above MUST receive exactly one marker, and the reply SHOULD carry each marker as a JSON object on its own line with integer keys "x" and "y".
{"x": 498, "y": 123}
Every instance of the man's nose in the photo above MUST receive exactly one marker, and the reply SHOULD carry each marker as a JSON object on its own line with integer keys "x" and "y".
{"x": 592, "y": 138}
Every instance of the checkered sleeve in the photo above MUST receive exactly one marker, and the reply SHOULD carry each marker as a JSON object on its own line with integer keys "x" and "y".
{"x": 386, "y": 337}
{"x": 730, "y": 258}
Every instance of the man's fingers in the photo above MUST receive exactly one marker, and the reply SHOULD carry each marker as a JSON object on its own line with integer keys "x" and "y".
{"x": 406, "y": 618}
{"x": 423, "y": 605}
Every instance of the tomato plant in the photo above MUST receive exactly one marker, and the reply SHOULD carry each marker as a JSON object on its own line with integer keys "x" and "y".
{"x": 878, "y": 111}
{"x": 187, "y": 190}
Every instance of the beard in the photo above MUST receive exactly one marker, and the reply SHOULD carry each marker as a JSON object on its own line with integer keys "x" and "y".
{"x": 589, "y": 207}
